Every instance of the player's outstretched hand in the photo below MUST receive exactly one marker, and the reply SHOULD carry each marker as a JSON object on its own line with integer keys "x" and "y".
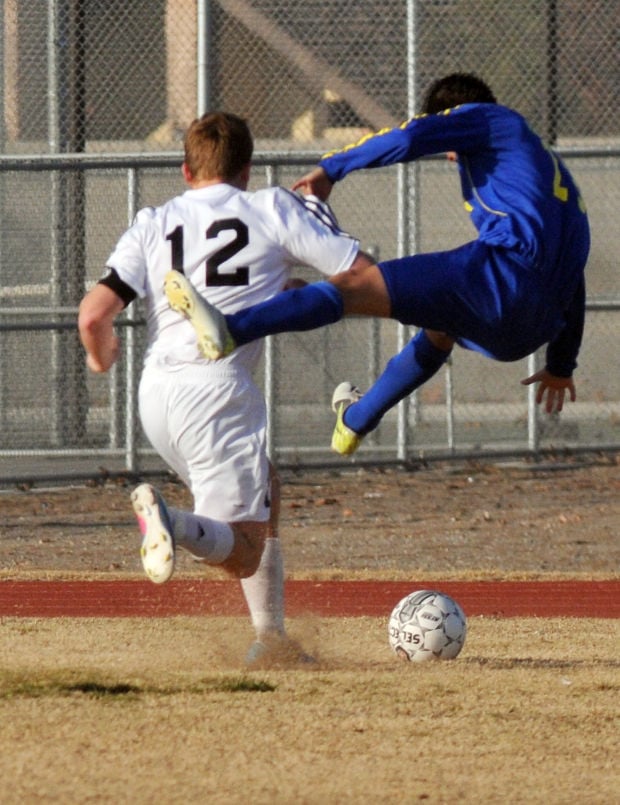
{"x": 314, "y": 183}
{"x": 551, "y": 389}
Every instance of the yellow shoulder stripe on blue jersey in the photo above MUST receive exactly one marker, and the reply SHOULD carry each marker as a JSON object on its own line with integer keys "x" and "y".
{"x": 379, "y": 133}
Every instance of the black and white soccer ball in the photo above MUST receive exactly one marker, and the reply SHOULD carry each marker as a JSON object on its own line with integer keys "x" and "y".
{"x": 427, "y": 625}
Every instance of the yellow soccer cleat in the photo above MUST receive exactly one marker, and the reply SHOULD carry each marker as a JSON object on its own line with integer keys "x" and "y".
{"x": 344, "y": 440}
{"x": 214, "y": 340}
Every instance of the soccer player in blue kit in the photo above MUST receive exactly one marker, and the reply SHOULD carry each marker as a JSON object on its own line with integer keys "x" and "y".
{"x": 518, "y": 286}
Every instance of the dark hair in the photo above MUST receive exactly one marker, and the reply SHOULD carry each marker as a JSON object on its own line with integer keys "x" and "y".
{"x": 455, "y": 89}
{"x": 218, "y": 145}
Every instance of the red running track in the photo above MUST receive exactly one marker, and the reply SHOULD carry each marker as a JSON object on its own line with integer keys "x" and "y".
{"x": 121, "y": 598}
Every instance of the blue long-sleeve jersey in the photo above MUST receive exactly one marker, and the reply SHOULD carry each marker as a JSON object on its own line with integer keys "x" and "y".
{"x": 518, "y": 192}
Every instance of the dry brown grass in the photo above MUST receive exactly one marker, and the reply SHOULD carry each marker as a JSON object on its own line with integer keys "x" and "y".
{"x": 126, "y": 710}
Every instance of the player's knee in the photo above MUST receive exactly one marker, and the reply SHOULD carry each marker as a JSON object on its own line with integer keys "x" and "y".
{"x": 440, "y": 340}
{"x": 363, "y": 291}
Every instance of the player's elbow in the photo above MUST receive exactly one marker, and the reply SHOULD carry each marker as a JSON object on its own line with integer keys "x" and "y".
{"x": 90, "y": 319}
{"x": 86, "y": 323}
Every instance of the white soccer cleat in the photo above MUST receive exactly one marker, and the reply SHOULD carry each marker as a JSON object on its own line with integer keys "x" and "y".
{"x": 344, "y": 440}
{"x": 157, "y": 550}
{"x": 214, "y": 340}
{"x": 277, "y": 651}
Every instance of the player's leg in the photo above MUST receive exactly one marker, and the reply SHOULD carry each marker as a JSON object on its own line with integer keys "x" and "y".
{"x": 364, "y": 291}
{"x": 413, "y": 366}
{"x": 264, "y": 594}
{"x": 264, "y": 589}
{"x": 164, "y": 528}
{"x": 217, "y": 335}
{"x": 170, "y": 405}
{"x": 418, "y": 288}
{"x": 480, "y": 297}
{"x": 224, "y": 490}
{"x": 256, "y": 560}
{"x": 360, "y": 291}
{"x": 223, "y": 460}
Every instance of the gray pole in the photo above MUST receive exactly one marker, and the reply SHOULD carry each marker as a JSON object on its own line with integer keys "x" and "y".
{"x": 204, "y": 33}
{"x": 66, "y": 54}
{"x": 552, "y": 71}
{"x": 132, "y": 365}
{"x": 56, "y": 211}
{"x": 408, "y": 218}
{"x": 270, "y": 362}
{"x": 2, "y": 217}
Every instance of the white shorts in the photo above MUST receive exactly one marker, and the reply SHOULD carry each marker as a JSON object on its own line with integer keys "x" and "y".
{"x": 209, "y": 425}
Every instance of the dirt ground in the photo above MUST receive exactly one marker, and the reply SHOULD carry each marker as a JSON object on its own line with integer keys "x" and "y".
{"x": 496, "y": 519}
{"x": 161, "y": 709}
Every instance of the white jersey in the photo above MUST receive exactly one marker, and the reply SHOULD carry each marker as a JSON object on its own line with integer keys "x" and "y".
{"x": 207, "y": 419}
{"x": 236, "y": 247}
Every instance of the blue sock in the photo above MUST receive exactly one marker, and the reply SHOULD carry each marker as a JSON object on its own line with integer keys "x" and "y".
{"x": 306, "y": 308}
{"x": 416, "y": 363}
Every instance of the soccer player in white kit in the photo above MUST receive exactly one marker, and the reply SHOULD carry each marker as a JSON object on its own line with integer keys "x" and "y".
{"x": 207, "y": 419}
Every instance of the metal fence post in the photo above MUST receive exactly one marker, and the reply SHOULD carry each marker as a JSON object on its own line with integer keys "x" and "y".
{"x": 66, "y": 132}
{"x": 204, "y": 44}
{"x": 533, "y": 430}
{"x": 271, "y": 177}
{"x": 132, "y": 367}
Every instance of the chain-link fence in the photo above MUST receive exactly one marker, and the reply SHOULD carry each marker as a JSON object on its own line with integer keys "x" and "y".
{"x": 88, "y": 75}
{"x": 95, "y": 98}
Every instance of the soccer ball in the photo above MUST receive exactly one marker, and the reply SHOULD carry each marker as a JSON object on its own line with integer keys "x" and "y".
{"x": 427, "y": 625}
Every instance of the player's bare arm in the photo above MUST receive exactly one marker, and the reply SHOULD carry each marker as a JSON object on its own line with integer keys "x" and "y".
{"x": 98, "y": 310}
{"x": 551, "y": 389}
{"x": 314, "y": 183}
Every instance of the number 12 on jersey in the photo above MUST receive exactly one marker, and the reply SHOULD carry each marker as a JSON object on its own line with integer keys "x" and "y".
{"x": 240, "y": 276}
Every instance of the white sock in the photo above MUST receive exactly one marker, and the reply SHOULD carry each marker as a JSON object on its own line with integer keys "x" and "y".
{"x": 264, "y": 591}
{"x": 208, "y": 540}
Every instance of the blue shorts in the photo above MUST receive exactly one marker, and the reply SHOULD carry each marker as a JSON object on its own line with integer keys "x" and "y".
{"x": 483, "y": 296}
